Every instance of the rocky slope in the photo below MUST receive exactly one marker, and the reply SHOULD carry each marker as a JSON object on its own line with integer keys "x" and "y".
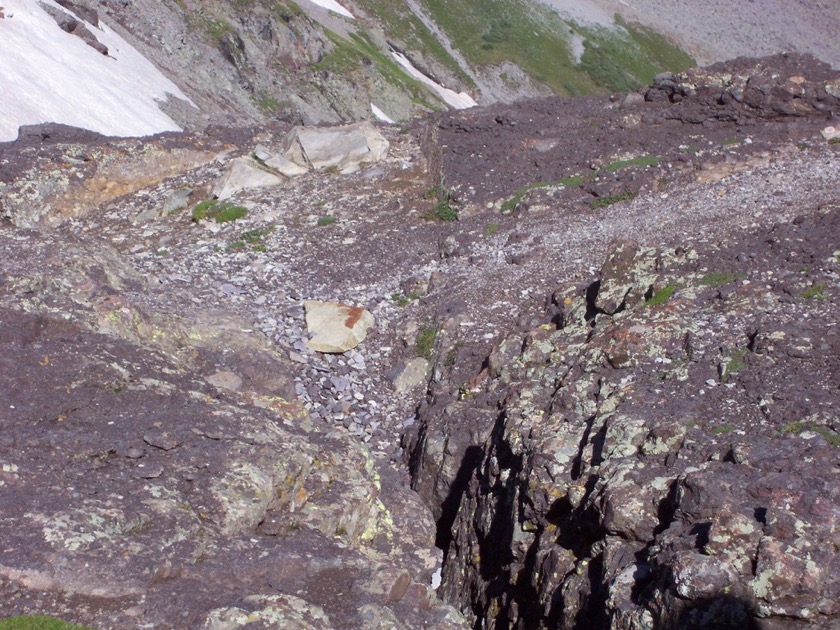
{"x": 591, "y": 433}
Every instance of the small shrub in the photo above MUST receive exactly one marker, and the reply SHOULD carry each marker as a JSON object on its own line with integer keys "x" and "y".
{"x": 202, "y": 209}
{"x": 221, "y": 212}
{"x": 663, "y": 295}
{"x": 400, "y": 299}
{"x": 236, "y": 245}
{"x": 491, "y": 229}
{"x": 603, "y": 202}
{"x": 834, "y": 141}
{"x": 326, "y": 220}
{"x": 442, "y": 212}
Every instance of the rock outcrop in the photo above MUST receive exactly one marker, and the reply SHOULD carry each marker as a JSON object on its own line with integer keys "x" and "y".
{"x": 663, "y": 453}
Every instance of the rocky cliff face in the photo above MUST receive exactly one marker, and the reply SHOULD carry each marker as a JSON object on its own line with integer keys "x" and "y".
{"x": 601, "y": 383}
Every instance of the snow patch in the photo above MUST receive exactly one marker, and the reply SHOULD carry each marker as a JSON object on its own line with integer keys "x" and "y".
{"x": 333, "y": 6}
{"x": 380, "y": 115}
{"x": 48, "y": 75}
{"x": 456, "y": 100}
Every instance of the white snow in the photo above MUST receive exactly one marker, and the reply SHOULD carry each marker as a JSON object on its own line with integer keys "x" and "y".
{"x": 47, "y": 75}
{"x": 333, "y": 6}
{"x": 380, "y": 115}
{"x": 457, "y": 100}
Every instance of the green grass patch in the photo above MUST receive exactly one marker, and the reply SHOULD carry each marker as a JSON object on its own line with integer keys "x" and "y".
{"x": 797, "y": 427}
{"x": 441, "y": 212}
{"x": 663, "y": 295}
{"x": 602, "y": 202}
{"x": 628, "y": 57}
{"x": 402, "y": 300}
{"x": 566, "y": 182}
{"x": 217, "y": 29}
{"x": 491, "y": 229}
{"x": 731, "y": 142}
{"x": 718, "y": 279}
{"x": 722, "y": 429}
{"x": 236, "y": 246}
{"x": 220, "y": 212}
{"x": 733, "y": 364}
{"x": 425, "y": 346}
{"x": 229, "y": 213}
{"x": 573, "y": 181}
{"x": 510, "y": 204}
{"x": 268, "y": 104}
{"x": 410, "y": 33}
{"x": 834, "y": 141}
{"x": 326, "y": 220}
{"x": 642, "y": 160}
{"x": 814, "y": 292}
{"x": 37, "y": 622}
{"x": 350, "y": 56}
{"x": 534, "y": 37}
{"x": 256, "y": 236}
{"x": 435, "y": 192}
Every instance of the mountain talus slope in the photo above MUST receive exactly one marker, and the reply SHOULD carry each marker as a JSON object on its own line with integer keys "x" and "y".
{"x": 599, "y": 433}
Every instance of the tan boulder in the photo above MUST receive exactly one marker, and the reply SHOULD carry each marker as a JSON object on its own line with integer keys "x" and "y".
{"x": 336, "y": 327}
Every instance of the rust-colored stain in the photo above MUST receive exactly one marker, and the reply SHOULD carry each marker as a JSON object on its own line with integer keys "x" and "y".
{"x": 354, "y": 314}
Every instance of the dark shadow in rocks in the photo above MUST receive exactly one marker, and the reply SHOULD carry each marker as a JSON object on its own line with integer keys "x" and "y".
{"x": 578, "y": 528}
{"x": 593, "y": 610}
{"x": 450, "y": 506}
{"x": 591, "y": 296}
{"x": 598, "y": 445}
{"x": 577, "y": 464}
{"x": 715, "y": 613}
{"x": 701, "y": 531}
{"x": 666, "y": 508}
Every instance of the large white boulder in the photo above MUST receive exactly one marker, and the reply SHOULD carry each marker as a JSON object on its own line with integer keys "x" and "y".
{"x": 344, "y": 148}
